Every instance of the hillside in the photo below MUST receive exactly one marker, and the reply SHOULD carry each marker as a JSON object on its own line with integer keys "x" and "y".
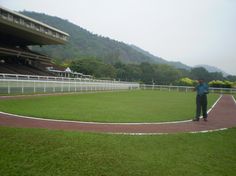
{"x": 161, "y": 60}
{"x": 83, "y": 43}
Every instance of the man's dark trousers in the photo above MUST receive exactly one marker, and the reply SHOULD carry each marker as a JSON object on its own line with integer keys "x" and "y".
{"x": 201, "y": 101}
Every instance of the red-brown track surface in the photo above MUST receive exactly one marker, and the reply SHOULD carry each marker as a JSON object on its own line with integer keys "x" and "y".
{"x": 222, "y": 116}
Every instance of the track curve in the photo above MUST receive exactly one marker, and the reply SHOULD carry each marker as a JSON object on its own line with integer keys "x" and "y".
{"x": 222, "y": 116}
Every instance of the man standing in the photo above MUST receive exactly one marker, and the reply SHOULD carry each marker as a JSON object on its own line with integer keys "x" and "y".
{"x": 201, "y": 100}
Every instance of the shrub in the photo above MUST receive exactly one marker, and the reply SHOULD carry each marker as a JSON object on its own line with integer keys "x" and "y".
{"x": 186, "y": 82}
{"x": 221, "y": 84}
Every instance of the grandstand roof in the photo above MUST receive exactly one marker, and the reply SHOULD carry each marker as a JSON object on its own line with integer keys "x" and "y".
{"x": 18, "y": 29}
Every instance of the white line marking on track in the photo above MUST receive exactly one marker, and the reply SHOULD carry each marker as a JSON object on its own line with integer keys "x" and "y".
{"x": 207, "y": 131}
{"x": 234, "y": 99}
{"x": 152, "y": 134}
{"x": 214, "y": 104}
{"x": 102, "y": 123}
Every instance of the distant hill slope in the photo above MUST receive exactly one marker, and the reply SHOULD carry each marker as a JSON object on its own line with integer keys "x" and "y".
{"x": 84, "y": 43}
{"x": 161, "y": 60}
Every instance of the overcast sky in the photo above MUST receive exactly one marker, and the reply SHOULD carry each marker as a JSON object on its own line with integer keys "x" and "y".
{"x": 190, "y": 31}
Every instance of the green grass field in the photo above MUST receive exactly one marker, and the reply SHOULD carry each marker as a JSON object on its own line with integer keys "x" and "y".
{"x": 130, "y": 106}
{"x": 36, "y": 152}
{"x": 40, "y": 152}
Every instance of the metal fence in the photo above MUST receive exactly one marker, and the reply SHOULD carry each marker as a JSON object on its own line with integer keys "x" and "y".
{"x": 27, "y": 84}
{"x": 186, "y": 89}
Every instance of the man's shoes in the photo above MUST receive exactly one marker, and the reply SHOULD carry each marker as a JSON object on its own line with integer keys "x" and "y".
{"x": 196, "y": 119}
{"x": 205, "y": 119}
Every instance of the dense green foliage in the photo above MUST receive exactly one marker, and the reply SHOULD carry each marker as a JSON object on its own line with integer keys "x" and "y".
{"x": 95, "y": 67}
{"x": 129, "y": 106}
{"x": 35, "y": 152}
{"x": 186, "y": 82}
{"x": 200, "y": 72}
{"x": 144, "y": 72}
{"x": 148, "y": 73}
{"x": 231, "y": 78}
{"x": 214, "y": 83}
{"x": 221, "y": 84}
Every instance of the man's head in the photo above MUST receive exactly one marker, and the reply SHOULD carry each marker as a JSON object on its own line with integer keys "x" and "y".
{"x": 201, "y": 80}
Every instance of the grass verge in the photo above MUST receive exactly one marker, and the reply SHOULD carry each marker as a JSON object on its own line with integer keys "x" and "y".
{"x": 36, "y": 152}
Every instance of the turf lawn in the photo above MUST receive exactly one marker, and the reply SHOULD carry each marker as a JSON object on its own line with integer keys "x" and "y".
{"x": 130, "y": 106}
{"x": 37, "y": 152}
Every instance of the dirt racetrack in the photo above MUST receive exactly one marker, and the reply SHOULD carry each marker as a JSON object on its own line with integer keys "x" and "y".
{"x": 222, "y": 116}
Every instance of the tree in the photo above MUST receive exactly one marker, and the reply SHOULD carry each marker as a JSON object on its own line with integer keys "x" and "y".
{"x": 148, "y": 73}
{"x": 133, "y": 72}
{"x": 231, "y": 78}
{"x": 165, "y": 74}
{"x": 200, "y": 73}
{"x": 95, "y": 67}
{"x": 216, "y": 76}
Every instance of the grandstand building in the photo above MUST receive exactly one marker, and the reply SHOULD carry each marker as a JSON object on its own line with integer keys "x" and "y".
{"x": 23, "y": 71}
{"x": 17, "y": 34}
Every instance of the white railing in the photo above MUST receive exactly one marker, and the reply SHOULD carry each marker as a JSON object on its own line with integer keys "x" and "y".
{"x": 186, "y": 88}
{"x": 26, "y": 84}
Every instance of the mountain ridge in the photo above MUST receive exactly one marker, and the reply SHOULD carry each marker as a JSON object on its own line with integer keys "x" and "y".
{"x": 83, "y": 43}
{"x": 160, "y": 60}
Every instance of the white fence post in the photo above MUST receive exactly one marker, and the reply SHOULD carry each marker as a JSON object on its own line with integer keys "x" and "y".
{"x": 8, "y": 88}
{"x": 34, "y": 87}
{"x": 44, "y": 88}
{"x": 75, "y": 85}
{"x": 22, "y": 87}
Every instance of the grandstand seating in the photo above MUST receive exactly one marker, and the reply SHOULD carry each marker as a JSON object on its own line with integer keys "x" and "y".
{"x": 17, "y": 32}
{"x": 21, "y": 60}
{"x": 13, "y": 67}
